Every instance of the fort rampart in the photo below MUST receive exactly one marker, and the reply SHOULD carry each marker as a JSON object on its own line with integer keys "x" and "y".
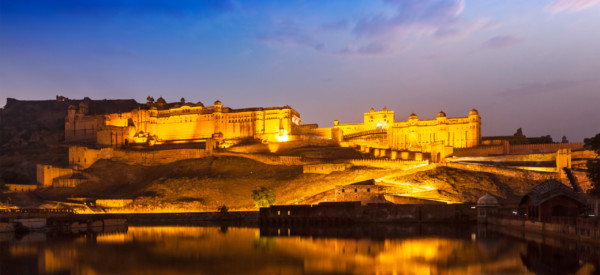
{"x": 509, "y": 172}
{"x": 389, "y": 163}
{"x": 325, "y": 168}
{"x": 84, "y": 157}
{"x": 506, "y": 158}
{"x": 508, "y": 149}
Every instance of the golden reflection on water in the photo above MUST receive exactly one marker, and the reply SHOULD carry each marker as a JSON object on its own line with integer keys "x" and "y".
{"x": 215, "y": 250}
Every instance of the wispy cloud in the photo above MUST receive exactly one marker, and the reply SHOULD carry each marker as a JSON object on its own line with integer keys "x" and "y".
{"x": 289, "y": 33}
{"x": 335, "y": 26}
{"x": 500, "y": 42}
{"x": 383, "y": 33}
{"x": 543, "y": 87}
{"x": 570, "y": 5}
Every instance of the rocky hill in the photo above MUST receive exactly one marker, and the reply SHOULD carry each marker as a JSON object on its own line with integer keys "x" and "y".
{"x": 32, "y": 132}
{"x": 205, "y": 184}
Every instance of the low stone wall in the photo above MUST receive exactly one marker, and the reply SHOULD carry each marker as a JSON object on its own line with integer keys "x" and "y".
{"x": 506, "y": 158}
{"x": 389, "y": 163}
{"x": 362, "y": 193}
{"x": 479, "y": 151}
{"x": 157, "y": 157}
{"x": 113, "y": 202}
{"x": 85, "y": 157}
{"x": 522, "y": 149}
{"x": 325, "y": 168}
{"x": 21, "y": 187}
{"x": 67, "y": 182}
{"x": 509, "y": 172}
{"x": 267, "y": 159}
{"x": 543, "y": 148}
{"x": 583, "y": 154}
{"x": 583, "y": 229}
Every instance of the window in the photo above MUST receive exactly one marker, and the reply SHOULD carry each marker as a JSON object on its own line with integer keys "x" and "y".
{"x": 278, "y": 213}
{"x": 368, "y": 189}
{"x": 355, "y": 189}
{"x": 289, "y": 212}
{"x": 343, "y": 190}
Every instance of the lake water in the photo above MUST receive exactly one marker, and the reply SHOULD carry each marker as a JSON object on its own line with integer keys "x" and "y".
{"x": 386, "y": 249}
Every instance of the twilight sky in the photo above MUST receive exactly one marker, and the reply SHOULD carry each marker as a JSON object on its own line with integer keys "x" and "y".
{"x": 532, "y": 64}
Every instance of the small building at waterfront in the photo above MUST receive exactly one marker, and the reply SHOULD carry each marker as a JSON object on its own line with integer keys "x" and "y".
{"x": 486, "y": 205}
{"x": 364, "y": 192}
{"x": 551, "y": 199}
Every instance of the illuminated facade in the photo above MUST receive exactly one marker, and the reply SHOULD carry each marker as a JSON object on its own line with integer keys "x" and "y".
{"x": 160, "y": 122}
{"x": 418, "y": 135}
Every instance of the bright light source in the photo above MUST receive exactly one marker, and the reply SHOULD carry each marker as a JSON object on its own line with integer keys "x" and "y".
{"x": 282, "y": 138}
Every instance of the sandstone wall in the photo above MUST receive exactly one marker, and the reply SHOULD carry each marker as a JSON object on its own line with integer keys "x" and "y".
{"x": 21, "y": 187}
{"x": 363, "y": 193}
{"x": 389, "y": 163}
{"x": 543, "y": 148}
{"x": 325, "y": 168}
{"x": 509, "y": 172}
{"x": 113, "y": 202}
{"x": 67, "y": 182}
{"x": 47, "y": 173}
{"x": 84, "y": 157}
{"x": 506, "y": 158}
{"x": 516, "y": 149}
{"x": 268, "y": 159}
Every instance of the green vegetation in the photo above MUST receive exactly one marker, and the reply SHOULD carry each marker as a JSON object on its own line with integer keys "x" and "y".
{"x": 263, "y": 196}
{"x": 593, "y": 165}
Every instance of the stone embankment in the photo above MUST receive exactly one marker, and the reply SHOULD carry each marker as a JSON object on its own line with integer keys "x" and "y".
{"x": 332, "y": 213}
{"x": 580, "y": 229}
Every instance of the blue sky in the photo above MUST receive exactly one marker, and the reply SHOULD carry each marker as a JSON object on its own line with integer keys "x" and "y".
{"x": 530, "y": 64}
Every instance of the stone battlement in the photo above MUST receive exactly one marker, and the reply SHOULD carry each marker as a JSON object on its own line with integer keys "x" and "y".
{"x": 389, "y": 163}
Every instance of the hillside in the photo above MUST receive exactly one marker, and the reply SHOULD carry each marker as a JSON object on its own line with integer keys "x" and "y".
{"x": 31, "y": 132}
{"x": 205, "y": 184}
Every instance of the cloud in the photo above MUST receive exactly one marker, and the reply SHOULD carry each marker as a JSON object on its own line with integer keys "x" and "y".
{"x": 570, "y": 5}
{"x": 543, "y": 87}
{"x": 335, "y": 26}
{"x": 500, "y": 42}
{"x": 289, "y": 33}
{"x": 384, "y": 33}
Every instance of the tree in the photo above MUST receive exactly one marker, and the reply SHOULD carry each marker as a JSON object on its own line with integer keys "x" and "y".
{"x": 223, "y": 209}
{"x": 593, "y": 165}
{"x": 263, "y": 196}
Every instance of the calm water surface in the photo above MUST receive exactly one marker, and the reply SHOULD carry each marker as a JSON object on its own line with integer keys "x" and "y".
{"x": 349, "y": 250}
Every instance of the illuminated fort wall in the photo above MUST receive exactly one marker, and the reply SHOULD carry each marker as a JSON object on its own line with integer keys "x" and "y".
{"x": 419, "y": 135}
{"x": 161, "y": 122}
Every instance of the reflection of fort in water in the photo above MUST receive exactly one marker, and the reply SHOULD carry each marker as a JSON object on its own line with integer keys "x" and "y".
{"x": 358, "y": 250}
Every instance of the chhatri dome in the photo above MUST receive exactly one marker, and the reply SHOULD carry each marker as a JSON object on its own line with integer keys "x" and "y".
{"x": 487, "y": 200}
{"x": 474, "y": 112}
{"x": 218, "y": 102}
{"x": 441, "y": 114}
{"x": 413, "y": 116}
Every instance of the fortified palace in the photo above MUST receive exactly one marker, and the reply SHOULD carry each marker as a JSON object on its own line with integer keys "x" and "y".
{"x": 158, "y": 132}
{"x": 161, "y": 122}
